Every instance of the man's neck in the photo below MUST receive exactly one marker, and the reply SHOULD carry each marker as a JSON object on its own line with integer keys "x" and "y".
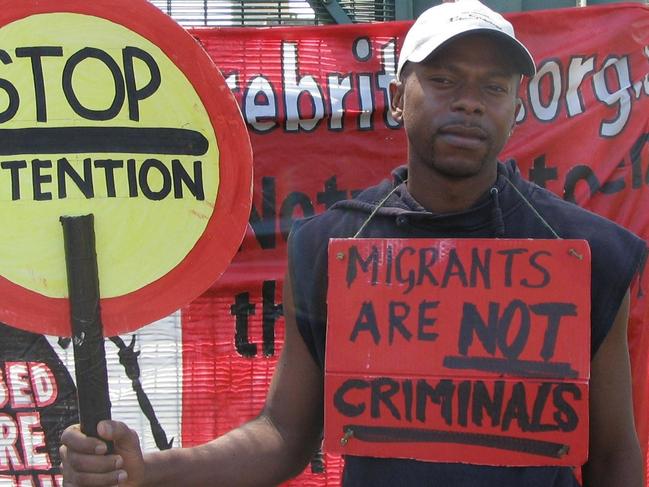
{"x": 440, "y": 194}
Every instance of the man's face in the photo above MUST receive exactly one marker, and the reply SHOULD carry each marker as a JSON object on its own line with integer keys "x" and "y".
{"x": 458, "y": 107}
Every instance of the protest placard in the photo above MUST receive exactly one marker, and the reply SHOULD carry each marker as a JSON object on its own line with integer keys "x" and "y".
{"x": 459, "y": 350}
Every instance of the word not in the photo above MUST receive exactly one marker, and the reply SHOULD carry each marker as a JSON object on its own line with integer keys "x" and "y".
{"x": 494, "y": 333}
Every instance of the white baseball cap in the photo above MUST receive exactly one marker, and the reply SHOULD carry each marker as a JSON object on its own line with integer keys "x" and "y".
{"x": 440, "y": 24}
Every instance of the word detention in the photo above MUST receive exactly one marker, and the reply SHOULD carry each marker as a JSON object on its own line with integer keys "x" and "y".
{"x": 45, "y": 179}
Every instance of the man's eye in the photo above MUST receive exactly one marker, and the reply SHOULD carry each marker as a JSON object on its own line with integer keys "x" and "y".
{"x": 441, "y": 80}
{"x": 497, "y": 88}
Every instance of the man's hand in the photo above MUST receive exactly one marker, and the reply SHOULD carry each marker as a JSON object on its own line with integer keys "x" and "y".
{"x": 269, "y": 449}
{"x": 85, "y": 462}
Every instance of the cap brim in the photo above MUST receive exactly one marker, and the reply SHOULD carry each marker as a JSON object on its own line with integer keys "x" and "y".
{"x": 524, "y": 62}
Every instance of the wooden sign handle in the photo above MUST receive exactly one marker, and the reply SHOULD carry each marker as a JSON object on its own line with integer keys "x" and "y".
{"x": 85, "y": 317}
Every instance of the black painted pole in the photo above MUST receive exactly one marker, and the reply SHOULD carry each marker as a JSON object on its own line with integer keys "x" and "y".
{"x": 85, "y": 318}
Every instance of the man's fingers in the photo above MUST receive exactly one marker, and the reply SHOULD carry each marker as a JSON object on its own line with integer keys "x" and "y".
{"x": 85, "y": 462}
{"x": 114, "y": 430}
{"x": 108, "y": 430}
{"x": 125, "y": 439}
{"x": 77, "y": 441}
{"x": 82, "y": 462}
{"x": 96, "y": 479}
{"x": 91, "y": 469}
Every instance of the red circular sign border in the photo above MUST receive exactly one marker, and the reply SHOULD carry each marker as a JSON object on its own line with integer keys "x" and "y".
{"x": 35, "y": 312}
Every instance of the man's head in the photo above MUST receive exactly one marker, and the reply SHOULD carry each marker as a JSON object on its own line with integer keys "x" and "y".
{"x": 459, "y": 72}
{"x": 440, "y": 25}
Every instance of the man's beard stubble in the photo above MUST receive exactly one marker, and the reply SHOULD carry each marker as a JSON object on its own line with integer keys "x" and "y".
{"x": 459, "y": 172}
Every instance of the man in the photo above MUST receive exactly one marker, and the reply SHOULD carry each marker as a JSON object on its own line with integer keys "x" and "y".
{"x": 459, "y": 71}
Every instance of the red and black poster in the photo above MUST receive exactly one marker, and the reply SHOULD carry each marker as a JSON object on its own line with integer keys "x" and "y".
{"x": 459, "y": 350}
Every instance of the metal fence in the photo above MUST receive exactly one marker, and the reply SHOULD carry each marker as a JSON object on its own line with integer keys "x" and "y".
{"x": 261, "y": 12}
{"x": 229, "y": 12}
{"x": 296, "y": 12}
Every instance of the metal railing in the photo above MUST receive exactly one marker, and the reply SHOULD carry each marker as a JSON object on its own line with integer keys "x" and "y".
{"x": 309, "y": 12}
{"x": 237, "y": 13}
{"x": 263, "y": 12}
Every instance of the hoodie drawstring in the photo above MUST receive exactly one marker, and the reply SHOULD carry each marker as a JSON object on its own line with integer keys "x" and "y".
{"x": 378, "y": 206}
{"x": 497, "y": 221}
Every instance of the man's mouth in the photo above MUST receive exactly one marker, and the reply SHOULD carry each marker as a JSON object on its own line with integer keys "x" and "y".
{"x": 463, "y": 137}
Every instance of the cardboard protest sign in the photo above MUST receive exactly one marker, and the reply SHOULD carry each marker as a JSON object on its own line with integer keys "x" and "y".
{"x": 110, "y": 108}
{"x": 474, "y": 351}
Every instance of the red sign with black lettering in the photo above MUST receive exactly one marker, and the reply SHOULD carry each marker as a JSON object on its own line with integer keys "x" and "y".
{"x": 459, "y": 350}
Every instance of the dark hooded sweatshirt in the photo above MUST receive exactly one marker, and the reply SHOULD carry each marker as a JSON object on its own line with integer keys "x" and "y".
{"x": 513, "y": 208}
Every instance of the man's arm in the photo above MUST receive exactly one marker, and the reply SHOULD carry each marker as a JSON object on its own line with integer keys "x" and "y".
{"x": 614, "y": 454}
{"x": 273, "y": 447}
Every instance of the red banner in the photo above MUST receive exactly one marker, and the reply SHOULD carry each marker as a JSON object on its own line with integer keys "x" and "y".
{"x": 315, "y": 101}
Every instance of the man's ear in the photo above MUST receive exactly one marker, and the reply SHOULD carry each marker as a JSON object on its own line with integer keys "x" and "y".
{"x": 517, "y": 108}
{"x": 396, "y": 100}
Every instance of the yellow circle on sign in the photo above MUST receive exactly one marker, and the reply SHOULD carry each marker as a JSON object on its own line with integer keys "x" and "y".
{"x": 140, "y": 155}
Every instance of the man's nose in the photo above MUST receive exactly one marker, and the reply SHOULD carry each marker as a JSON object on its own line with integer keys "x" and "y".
{"x": 468, "y": 99}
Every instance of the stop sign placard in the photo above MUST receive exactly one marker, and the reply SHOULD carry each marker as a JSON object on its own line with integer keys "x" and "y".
{"x": 111, "y": 108}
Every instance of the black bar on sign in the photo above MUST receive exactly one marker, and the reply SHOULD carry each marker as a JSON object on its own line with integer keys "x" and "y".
{"x": 78, "y": 140}
{"x": 383, "y": 434}
{"x": 527, "y": 368}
